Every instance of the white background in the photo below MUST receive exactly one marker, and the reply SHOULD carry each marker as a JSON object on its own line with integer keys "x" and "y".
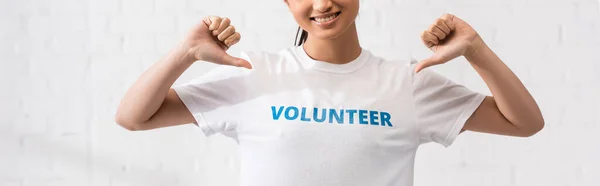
{"x": 65, "y": 64}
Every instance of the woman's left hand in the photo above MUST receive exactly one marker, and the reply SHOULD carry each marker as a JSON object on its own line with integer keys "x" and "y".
{"x": 449, "y": 37}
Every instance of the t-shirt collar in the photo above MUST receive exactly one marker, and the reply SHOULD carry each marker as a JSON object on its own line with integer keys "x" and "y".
{"x": 310, "y": 63}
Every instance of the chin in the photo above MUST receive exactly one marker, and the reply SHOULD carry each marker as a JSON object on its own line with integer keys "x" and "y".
{"x": 328, "y": 34}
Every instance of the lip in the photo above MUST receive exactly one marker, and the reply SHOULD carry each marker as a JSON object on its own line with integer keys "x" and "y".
{"x": 324, "y": 15}
{"x": 328, "y": 23}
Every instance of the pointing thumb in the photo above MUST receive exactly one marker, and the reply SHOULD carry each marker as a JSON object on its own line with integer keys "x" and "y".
{"x": 430, "y": 61}
{"x": 234, "y": 61}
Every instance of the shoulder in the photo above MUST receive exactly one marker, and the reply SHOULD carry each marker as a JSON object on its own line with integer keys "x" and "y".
{"x": 264, "y": 64}
{"x": 398, "y": 66}
{"x": 259, "y": 57}
{"x": 271, "y": 61}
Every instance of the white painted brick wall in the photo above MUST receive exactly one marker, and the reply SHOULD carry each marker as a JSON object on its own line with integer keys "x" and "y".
{"x": 64, "y": 65}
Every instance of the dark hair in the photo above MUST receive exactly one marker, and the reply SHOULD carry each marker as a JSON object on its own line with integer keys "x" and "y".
{"x": 303, "y": 36}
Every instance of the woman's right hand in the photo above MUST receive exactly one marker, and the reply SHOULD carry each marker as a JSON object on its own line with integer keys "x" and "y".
{"x": 210, "y": 39}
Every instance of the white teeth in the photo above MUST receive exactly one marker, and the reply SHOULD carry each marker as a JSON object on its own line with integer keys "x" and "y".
{"x": 322, "y": 20}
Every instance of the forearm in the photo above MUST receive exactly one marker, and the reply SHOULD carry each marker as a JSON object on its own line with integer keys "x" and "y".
{"x": 147, "y": 94}
{"x": 512, "y": 98}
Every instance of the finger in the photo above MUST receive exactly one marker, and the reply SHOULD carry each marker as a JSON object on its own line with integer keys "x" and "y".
{"x": 448, "y": 20}
{"x": 207, "y": 21}
{"x": 232, "y": 40}
{"x": 431, "y": 61}
{"x": 215, "y": 21}
{"x": 429, "y": 44}
{"x": 234, "y": 61}
{"x": 419, "y": 67}
{"x": 429, "y": 37}
{"x": 226, "y": 33}
{"x": 224, "y": 24}
{"x": 442, "y": 26}
{"x": 437, "y": 32}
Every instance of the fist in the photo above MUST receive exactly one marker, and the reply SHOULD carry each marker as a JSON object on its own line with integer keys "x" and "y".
{"x": 448, "y": 37}
{"x": 210, "y": 39}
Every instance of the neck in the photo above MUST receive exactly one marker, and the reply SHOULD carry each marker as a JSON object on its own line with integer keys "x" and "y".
{"x": 340, "y": 50}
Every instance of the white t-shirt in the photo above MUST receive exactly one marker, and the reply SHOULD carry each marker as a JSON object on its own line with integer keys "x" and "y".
{"x": 299, "y": 121}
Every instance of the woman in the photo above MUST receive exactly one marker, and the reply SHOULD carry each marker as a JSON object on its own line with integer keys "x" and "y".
{"x": 328, "y": 112}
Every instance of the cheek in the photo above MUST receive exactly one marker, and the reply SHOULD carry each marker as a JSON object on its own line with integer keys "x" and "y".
{"x": 300, "y": 16}
{"x": 303, "y": 21}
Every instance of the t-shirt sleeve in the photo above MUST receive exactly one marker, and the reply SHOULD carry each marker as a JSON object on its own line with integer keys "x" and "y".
{"x": 442, "y": 106}
{"x": 215, "y": 99}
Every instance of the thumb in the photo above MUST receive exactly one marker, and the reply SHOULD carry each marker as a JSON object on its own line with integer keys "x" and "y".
{"x": 234, "y": 61}
{"x": 430, "y": 61}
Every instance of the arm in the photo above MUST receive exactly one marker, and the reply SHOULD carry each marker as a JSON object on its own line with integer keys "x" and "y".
{"x": 151, "y": 102}
{"x": 512, "y": 110}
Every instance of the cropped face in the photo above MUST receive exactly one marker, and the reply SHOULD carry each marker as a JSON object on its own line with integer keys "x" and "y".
{"x": 324, "y": 19}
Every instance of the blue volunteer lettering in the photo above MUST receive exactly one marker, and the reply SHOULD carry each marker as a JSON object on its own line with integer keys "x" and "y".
{"x": 322, "y": 115}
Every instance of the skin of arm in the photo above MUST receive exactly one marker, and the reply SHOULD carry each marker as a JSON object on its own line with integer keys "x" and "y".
{"x": 511, "y": 110}
{"x": 151, "y": 103}
{"x": 151, "y": 98}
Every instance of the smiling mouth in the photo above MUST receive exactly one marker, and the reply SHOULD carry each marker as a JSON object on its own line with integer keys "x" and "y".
{"x": 323, "y": 19}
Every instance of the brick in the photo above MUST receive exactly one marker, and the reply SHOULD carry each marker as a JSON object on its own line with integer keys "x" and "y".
{"x": 467, "y": 175}
{"x": 165, "y": 43}
{"x": 12, "y": 25}
{"x": 66, "y": 64}
{"x": 579, "y": 34}
{"x": 105, "y": 45}
{"x": 73, "y": 7}
{"x": 138, "y": 43}
{"x": 133, "y": 24}
{"x": 168, "y": 7}
{"x": 39, "y": 26}
{"x": 524, "y": 33}
{"x": 11, "y": 182}
{"x": 10, "y": 145}
{"x": 9, "y": 103}
{"x": 587, "y": 11}
{"x": 34, "y": 160}
{"x": 137, "y": 7}
{"x": 70, "y": 157}
{"x": 558, "y": 174}
{"x": 589, "y": 174}
{"x": 56, "y": 182}
{"x": 69, "y": 43}
{"x": 106, "y": 7}
{"x": 28, "y": 7}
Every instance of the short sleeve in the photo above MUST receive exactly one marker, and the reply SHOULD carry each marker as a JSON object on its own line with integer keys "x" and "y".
{"x": 442, "y": 106}
{"x": 215, "y": 99}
